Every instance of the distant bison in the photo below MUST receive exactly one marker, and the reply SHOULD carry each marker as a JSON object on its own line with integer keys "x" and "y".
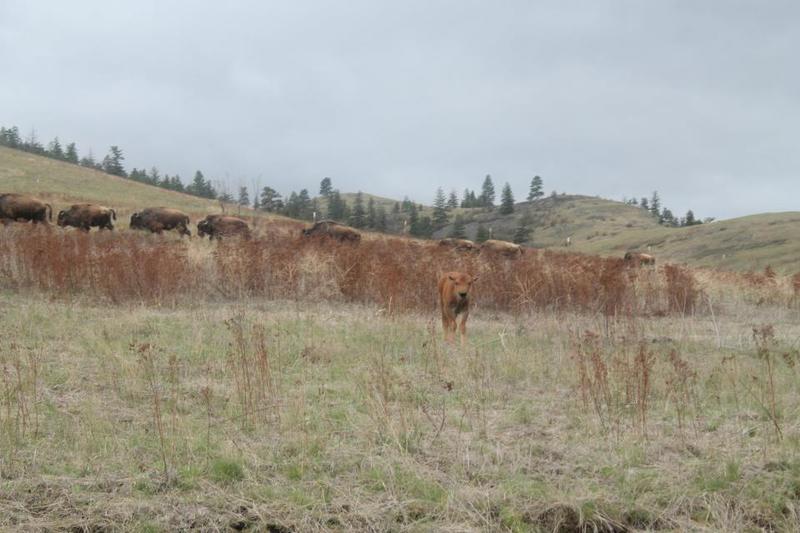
{"x": 218, "y": 226}
{"x": 159, "y": 219}
{"x": 334, "y": 230}
{"x": 638, "y": 258}
{"x": 505, "y": 248}
{"x": 454, "y": 290}
{"x": 459, "y": 245}
{"x": 24, "y": 208}
{"x": 85, "y": 216}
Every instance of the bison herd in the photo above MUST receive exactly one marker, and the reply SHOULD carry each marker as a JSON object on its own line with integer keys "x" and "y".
{"x": 454, "y": 287}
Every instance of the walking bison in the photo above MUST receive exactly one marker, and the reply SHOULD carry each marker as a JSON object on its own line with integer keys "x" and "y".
{"x": 505, "y": 248}
{"x": 86, "y": 216}
{"x": 638, "y": 258}
{"x": 333, "y": 230}
{"x": 219, "y": 226}
{"x": 459, "y": 245}
{"x": 16, "y": 207}
{"x": 454, "y": 299}
{"x": 160, "y": 219}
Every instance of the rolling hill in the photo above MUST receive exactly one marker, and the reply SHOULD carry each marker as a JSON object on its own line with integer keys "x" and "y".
{"x": 63, "y": 183}
{"x": 595, "y": 225}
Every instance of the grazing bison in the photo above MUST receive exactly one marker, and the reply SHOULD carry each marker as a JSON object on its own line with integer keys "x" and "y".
{"x": 454, "y": 300}
{"x": 159, "y": 219}
{"x": 638, "y": 258}
{"x": 85, "y": 216}
{"x": 218, "y": 226}
{"x": 334, "y": 230}
{"x": 23, "y": 208}
{"x": 505, "y": 248}
{"x": 459, "y": 245}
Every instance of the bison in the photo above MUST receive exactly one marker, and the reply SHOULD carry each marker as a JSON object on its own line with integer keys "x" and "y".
{"x": 85, "y": 216}
{"x": 24, "y": 208}
{"x": 505, "y": 248}
{"x": 159, "y": 219}
{"x": 218, "y": 226}
{"x": 334, "y": 230}
{"x": 638, "y": 258}
{"x": 459, "y": 245}
{"x": 454, "y": 290}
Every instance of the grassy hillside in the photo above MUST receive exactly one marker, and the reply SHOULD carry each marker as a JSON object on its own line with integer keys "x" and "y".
{"x": 605, "y": 227}
{"x": 63, "y": 183}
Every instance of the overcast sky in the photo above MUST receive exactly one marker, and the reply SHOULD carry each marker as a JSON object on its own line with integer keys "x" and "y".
{"x": 699, "y": 100}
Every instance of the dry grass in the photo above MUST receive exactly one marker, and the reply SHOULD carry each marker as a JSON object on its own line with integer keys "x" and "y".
{"x": 156, "y": 384}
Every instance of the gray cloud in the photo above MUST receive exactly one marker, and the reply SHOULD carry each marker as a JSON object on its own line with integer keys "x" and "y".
{"x": 697, "y": 100}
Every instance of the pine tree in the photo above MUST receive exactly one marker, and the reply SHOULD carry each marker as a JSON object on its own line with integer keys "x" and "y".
{"x": 55, "y": 150}
{"x": 325, "y": 187}
{"x": 304, "y": 207}
{"x": 422, "y": 227}
{"x": 112, "y": 163}
{"x": 482, "y": 234}
{"x": 380, "y": 219}
{"x": 270, "y": 200}
{"x": 372, "y": 215}
{"x": 10, "y": 137}
{"x": 537, "y": 189}
{"x": 358, "y": 219}
{"x": 244, "y": 196}
{"x": 459, "y": 230}
{"x": 439, "y": 208}
{"x": 71, "y": 154}
{"x": 655, "y": 205}
{"x": 32, "y": 144}
{"x": 667, "y": 218}
{"x": 396, "y": 208}
{"x": 465, "y": 202}
{"x": 88, "y": 161}
{"x": 487, "y": 193}
{"x": 407, "y": 205}
{"x": 337, "y": 206}
{"x": 226, "y": 197}
{"x": 644, "y": 204}
{"x": 452, "y": 201}
{"x": 507, "y": 200}
{"x": 690, "y": 220}
{"x": 155, "y": 177}
{"x": 522, "y": 233}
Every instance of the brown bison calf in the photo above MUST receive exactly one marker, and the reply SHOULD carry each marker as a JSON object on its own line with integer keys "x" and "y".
{"x": 86, "y": 216}
{"x": 159, "y": 219}
{"x": 218, "y": 226}
{"x": 454, "y": 290}
{"x": 333, "y": 230}
{"x": 24, "y": 208}
{"x": 638, "y": 258}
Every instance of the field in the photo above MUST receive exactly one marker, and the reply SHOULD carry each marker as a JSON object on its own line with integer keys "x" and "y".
{"x": 157, "y": 384}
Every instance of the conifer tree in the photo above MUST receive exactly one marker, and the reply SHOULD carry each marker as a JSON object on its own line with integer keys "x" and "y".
{"x": 71, "y": 153}
{"x": 507, "y": 200}
{"x": 440, "y": 208}
{"x": 537, "y": 189}
{"x": 244, "y": 196}
{"x": 452, "y": 201}
{"x": 459, "y": 230}
{"x": 482, "y": 234}
{"x": 487, "y": 193}
{"x": 358, "y": 218}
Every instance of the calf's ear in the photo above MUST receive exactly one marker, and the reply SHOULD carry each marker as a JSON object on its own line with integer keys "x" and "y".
{"x": 451, "y": 278}
{"x": 474, "y": 279}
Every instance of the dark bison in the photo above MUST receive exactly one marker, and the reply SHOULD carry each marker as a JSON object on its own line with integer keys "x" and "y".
{"x": 24, "y": 208}
{"x": 159, "y": 219}
{"x": 85, "y": 216}
{"x": 508, "y": 249}
{"x": 334, "y": 230}
{"x": 459, "y": 245}
{"x": 638, "y": 258}
{"x": 218, "y": 226}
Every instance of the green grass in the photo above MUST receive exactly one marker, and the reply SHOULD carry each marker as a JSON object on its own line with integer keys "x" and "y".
{"x": 371, "y": 422}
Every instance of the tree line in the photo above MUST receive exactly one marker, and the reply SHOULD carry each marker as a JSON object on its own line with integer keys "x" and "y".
{"x": 663, "y": 214}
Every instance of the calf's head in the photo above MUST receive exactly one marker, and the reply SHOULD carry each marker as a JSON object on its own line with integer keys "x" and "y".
{"x": 462, "y": 283}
